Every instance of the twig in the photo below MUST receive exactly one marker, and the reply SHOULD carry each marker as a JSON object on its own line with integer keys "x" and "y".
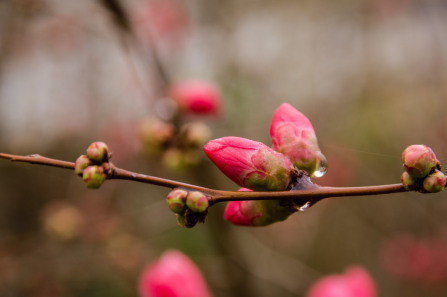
{"x": 217, "y": 196}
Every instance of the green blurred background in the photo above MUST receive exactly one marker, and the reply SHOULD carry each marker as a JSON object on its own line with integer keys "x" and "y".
{"x": 371, "y": 75}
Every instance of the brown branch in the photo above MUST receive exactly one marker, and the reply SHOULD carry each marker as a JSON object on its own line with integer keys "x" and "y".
{"x": 217, "y": 196}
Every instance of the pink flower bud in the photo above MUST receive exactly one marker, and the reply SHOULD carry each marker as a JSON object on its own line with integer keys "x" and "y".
{"x": 355, "y": 282}
{"x": 250, "y": 164}
{"x": 197, "y": 201}
{"x": 435, "y": 182}
{"x": 98, "y": 152}
{"x": 81, "y": 163}
{"x": 255, "y": 212}
{"x": 177, "y": 200}
{"x": 408, "y": 181}
{"x": 94, "y": 176}
{"x": 173, "y": 275}
{"x": 293, "y": 135}
{"x": 419, "y": 160}
{"x": 197, "y": 97}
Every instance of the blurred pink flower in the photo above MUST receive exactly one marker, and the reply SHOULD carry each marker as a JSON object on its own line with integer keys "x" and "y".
{"x": 173, "y": 275}
{"x": 416, "y": 260}
{"x": 255, "y": 212}
{"x": 293, "y": 135}
{"x": 250, "y": 164}
{"x": 355, "y": 282}
{"x": 196, "y": 96}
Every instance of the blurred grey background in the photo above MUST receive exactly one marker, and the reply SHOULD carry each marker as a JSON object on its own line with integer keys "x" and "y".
{"x": 371, "y": 75}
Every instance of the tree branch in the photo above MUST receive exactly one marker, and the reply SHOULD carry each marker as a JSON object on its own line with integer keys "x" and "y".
{"x": 217, "y": 196}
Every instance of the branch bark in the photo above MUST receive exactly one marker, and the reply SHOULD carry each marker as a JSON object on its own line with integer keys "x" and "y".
{"x": 217, "y": 196}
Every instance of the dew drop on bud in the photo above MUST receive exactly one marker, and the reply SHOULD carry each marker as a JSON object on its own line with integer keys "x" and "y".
{"x": 305, "y": 206}
{"x": 321, "y": 167}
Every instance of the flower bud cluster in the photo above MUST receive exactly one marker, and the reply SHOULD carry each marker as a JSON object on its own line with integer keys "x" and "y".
{"x": 422, "y": 170}
{"x": 190, "y": 207}
{"x": 294, "y": 156}
{"x": 175, "y": 135}
{"x": 94, "y": 167}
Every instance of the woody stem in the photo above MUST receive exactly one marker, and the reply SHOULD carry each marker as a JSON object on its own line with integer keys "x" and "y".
{"x": 217, "y": 196}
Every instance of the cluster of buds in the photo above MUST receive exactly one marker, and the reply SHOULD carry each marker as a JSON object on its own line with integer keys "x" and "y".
{"x": 190, "y": 207}
{"x": 422, "y": 170}
{"x": 254, "y": 166}
{"x": 94, "y": 167}
{"x": 172, "y": 134}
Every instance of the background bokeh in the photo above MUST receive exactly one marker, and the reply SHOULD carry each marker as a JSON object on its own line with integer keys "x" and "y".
{"x": 371, "y": 75}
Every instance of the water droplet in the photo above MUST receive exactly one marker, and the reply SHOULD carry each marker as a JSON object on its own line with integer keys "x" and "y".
{"x": 304, "y": 207}
{"x": 321, "y": 167}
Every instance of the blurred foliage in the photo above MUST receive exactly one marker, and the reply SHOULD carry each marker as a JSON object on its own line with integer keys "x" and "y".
{"x": 369, "y": 74}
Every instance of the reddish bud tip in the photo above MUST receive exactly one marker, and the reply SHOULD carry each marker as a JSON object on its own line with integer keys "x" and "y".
{"x": 419, "y": 160}
{"x": 93, "y": 176}
{"x": 98, "y": 152}
{"x": 250, "y": 164}
{"x": 293, "y": 135}
{"x": 435, "y": 182}
{"x": 81, "y": 163}
{"x": 197, "y": 97}
{"x": 176, "y": 200}
{"x": 355, "y": 282}
{"x": 173, "y": 275}
{"x": 197, "y": 201}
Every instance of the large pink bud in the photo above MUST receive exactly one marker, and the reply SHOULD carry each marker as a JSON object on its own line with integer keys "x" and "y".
{"x": 293, "y": 135}
{"x": 419, "y": 160}
{"x": 196, "y": 96}
{"x": 256, "y": 212}
{"x": 251, "y": 164}
{"x": 355, "y": 282}
{"x": 173, "y": 275}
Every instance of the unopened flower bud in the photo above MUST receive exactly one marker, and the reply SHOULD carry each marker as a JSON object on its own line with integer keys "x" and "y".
{"x": 293, "y": 135}
{"x": 98, "y": 152}
{"x": 93, "y": 176}
{"x": 419, "y": 160}
{"x": 408, "y": 181}
{"x": 251, "y": 164}
{"x": 197, "y": 201}
{"x": 435, "y": 182}
{"x": 81, "y": 163}
{"x": 197, "y": 97}
{"x": 256, "y": 212}
{"x": 177, "y": 200}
